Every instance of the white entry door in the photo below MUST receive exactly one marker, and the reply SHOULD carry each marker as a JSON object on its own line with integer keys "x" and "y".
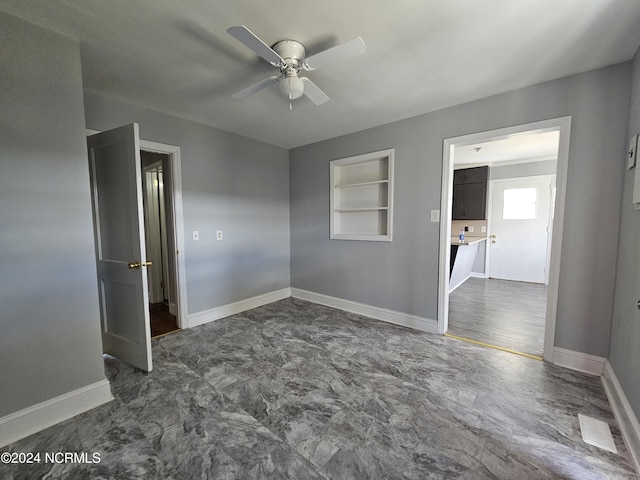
{"x": 520, "y": 230}
{"x": 116, "y": 185}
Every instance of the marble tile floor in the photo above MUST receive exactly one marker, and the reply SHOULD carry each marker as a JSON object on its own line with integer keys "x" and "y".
{"x": 295, "y": 390}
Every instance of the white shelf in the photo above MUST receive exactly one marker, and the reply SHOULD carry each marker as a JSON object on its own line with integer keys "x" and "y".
{"x": 371, "y": 209}
{"x": 362, "y": 184}
{"x": 361, "y": 197}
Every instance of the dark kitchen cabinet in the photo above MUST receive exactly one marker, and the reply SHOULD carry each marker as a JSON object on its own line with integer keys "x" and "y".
{"x": 470, "y": 193}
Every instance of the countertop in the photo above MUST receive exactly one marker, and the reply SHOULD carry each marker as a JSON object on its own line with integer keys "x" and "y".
{"x": 468, "y": 240}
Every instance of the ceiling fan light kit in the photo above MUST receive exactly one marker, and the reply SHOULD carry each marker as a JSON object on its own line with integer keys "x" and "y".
{"x": 292, "y": 87}
{"x": 290, "y": 57}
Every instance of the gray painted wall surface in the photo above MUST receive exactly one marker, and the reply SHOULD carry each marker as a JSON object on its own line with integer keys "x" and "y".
{"x": 546, "y": 167}
{"x": 49, "y": 315}
{"x": 403, "y": 275}
{"x": 624, "y": 353}
{"x": 229, "y": 183}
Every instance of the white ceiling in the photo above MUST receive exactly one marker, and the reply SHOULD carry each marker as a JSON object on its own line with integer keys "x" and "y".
{"x": 523, "y": 147}
{"x": 176, "y": 57}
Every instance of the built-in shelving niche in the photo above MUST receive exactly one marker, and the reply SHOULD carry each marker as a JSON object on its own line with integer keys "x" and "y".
{"x": 362, "y": 197}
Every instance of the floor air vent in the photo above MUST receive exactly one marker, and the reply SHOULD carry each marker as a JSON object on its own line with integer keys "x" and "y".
{"x": 596, "y": 432}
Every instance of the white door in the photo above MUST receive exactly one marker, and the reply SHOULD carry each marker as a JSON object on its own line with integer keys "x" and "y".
{"x": 520, "y": 230}
{"x": 116, "y": 185}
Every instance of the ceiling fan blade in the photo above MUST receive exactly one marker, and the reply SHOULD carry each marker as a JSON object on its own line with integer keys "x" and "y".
{"x": 251, "y": 40}
{"x": 314, "y": 93}
{"x": 336, "y": 54}
{"x": 245, "y": 92}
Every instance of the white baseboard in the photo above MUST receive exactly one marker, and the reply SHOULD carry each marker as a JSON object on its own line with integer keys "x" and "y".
{"x": 222, "y": 311}
{"x": 623, "y": 412}
{"x": 479, "y": 275}
{"x": 391, "y": 316}
{"x": 451, "y": 289}
{"x": 43, "y": 415}
{"x": 581, "y": 362}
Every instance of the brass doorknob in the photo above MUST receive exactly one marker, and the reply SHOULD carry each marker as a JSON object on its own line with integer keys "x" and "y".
{"x": 137, "y": 265}
{"x": 493, "y": 236}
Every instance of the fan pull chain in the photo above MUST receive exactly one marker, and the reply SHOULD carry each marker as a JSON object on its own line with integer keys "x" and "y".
{"x": 290, "y": 105}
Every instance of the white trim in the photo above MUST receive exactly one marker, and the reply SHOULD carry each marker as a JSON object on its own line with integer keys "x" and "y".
{"x": 478, "y": 275}
{"x": 178, "y": 222}
{"x": 43, "y": 415}
{"x": 625, "y": 416}
{"x": 222, "y": 311}
{"x": 563, "y": 124}
{"x": 451, "y": 289}
{"x": 581, "y": 362}
{"x": 386, "y": 315}
{"x": 335, "y": 197}
{"x": 556, "y": 242}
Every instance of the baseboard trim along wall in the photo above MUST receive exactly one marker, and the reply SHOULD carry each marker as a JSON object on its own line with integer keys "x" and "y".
{"x": 234, "y": 308}
{"x": 43, "y": 415}
{"x": 582, "y": 362}
{"x": 623, "y": 412}
{"x": 390, "y": 316}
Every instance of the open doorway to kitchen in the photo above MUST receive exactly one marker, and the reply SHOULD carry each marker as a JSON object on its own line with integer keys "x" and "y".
{"x": 503, "y": 196}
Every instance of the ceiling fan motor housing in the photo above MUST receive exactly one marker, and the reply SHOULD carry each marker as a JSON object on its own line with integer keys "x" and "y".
{"x": 292, "y": 52}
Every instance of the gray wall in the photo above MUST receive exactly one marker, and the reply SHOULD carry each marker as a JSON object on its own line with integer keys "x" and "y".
{"x": 403, "y": 275}
{"x": 49, "y": 316}
{"x": 546, "y": 167}
{"x": 229, "y": 183}
{"x": 624, "y": 354}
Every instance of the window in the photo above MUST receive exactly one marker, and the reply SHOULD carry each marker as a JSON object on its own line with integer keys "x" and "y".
{"x": 519, "y": 203}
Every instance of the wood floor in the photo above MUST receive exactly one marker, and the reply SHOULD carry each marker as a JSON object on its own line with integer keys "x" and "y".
{"x": 161, "y": 320}
{"x": 500, "y": 312}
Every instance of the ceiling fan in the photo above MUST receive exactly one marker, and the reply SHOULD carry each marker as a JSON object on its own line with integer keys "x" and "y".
{"x": 290, "y": 58}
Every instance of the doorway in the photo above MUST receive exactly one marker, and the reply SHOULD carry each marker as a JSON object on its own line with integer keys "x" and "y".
{"x": 116, "y": 175}
{"x": 176, "y": 305}
{"x": 539, "y": 301}
{"x": 156, "y": 172}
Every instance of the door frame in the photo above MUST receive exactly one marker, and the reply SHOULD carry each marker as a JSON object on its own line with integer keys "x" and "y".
{"x": 563, "y": 125}
{"x": 177, "y": 227}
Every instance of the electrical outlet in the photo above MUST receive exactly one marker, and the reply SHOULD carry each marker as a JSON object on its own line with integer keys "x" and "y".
{"x": 470, "y": 228}
{"x": 196, "y": 236}
{"x": 435, "y": 215}
{"x": 219, "y": 235}
{"x": 483, "y": 229}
